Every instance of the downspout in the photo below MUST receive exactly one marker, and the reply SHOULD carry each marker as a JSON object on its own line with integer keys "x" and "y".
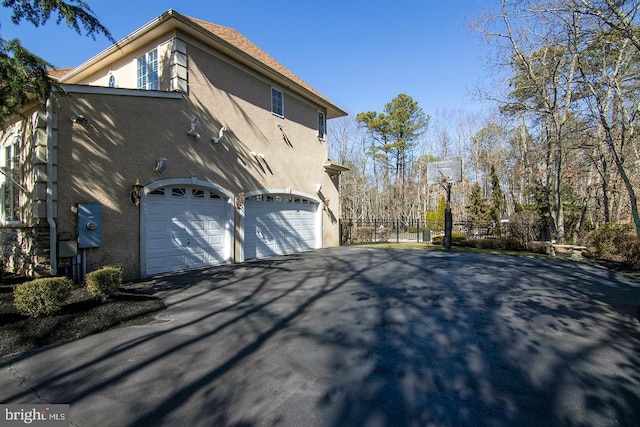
{"x": 53, "y": 253}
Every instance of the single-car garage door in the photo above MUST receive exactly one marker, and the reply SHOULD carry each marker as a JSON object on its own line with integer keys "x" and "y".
{"x": 277, "y": 224}
{"x": 184, "y": 229}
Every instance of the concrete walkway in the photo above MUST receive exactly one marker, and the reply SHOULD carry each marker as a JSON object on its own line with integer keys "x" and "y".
{"x": 359, "y": 337}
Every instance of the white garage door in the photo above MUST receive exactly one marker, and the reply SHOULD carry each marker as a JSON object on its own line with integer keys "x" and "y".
{"x": 279, "y": 224}
{"x": 185, "y": 229}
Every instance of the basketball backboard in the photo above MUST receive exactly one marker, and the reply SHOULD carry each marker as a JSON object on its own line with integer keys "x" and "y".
{"x": 444, "y": 171}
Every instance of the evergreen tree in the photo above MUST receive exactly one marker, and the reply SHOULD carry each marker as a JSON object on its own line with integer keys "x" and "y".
{"x": 478, "y": 211}
{"x": 497, "y": 198}
{"x": 394, "y": 132}
{"x": 435, "y": 219}
{"x": 23, "y": 75}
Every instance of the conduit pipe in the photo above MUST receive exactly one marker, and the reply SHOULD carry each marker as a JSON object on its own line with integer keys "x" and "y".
{"x": 53, "y": 244}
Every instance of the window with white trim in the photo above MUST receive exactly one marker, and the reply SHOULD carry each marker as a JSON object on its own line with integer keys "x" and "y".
{"x": 148, "y": 70}
{"x": 10, "y": 178}
{"x": 277, "y": 102}
{"x": 322, "y": 125}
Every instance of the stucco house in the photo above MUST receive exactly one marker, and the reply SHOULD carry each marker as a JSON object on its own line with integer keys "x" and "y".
{"x": 182, "y": 146}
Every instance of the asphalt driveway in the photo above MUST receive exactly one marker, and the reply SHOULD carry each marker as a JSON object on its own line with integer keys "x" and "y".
{"x": 359, "y": 337}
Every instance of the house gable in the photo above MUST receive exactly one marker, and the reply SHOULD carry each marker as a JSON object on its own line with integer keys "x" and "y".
{"x": 168, "y": 34}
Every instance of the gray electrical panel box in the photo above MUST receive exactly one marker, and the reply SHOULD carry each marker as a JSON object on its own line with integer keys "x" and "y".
{"x": 89, "y": 225}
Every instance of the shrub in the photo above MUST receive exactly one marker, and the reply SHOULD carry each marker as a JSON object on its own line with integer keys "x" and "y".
{"x": 485, "y": 243}
{"x": 512, "y": 244}
{"x": 525, "y": 225}
{"x": 437, "y": 240}
{"x": 363, "y": 234}
{"x": 105, "y": 281}
{"x": 503, "y": 243}
{"x": 383, "y": 233}
{"x": 371, "y": 234}
{"x": 42, "y": 297}
{"x": 458, "y": 238}
{"x": 602, "y": 239}
{"x": 538, "y": 247}
{"x": 628, "y": 247}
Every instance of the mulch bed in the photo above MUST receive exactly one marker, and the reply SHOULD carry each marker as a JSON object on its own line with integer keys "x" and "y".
{"x": 82, "y": 315}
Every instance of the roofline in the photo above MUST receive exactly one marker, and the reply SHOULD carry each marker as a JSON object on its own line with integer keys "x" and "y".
{"x": 159, "y": 26}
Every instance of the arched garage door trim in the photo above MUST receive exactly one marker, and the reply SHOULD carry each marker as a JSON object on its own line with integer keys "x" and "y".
{"x": 286, "y": 192}
{"x": 192, "y": 182}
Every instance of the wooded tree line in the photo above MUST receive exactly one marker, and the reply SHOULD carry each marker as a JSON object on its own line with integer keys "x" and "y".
{"x": 563, "y": 141}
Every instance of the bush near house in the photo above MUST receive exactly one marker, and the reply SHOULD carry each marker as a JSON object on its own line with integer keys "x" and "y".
{"x": 104, "y": 282}
{"x": 42, "y": 297}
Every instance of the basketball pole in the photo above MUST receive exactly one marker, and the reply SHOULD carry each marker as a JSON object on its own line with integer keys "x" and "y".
{"x": 445, "y": 173}
{"x": 448, "y": 219}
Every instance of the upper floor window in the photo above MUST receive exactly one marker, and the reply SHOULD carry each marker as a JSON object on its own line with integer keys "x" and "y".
{"x": 322, "y": 125}
{"x": 148, "y": 70}
{"x": 10, "y": 178}
{"x": 277, "y": 102}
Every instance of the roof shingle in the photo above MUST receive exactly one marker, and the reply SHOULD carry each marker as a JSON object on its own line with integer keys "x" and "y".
{"x": 236, "y": 39}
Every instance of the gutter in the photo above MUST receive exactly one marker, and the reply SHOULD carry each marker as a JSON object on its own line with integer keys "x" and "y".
{"x": 53, "y": 253}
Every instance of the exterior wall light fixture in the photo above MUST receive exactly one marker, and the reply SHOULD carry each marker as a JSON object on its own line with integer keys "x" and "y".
{"x": 136, "y": 193}
{"x": 240, "y": 201}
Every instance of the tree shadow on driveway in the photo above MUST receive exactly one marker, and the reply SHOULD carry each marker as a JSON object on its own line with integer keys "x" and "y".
{"x": 361, "y": 337}
{"x": 468, "y": 339}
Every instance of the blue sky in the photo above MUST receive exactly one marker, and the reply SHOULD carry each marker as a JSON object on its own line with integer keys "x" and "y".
{"x": 358, "y": 54}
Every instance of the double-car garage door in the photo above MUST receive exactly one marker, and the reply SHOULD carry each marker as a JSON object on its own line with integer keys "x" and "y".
{"x": 187, "y": 227}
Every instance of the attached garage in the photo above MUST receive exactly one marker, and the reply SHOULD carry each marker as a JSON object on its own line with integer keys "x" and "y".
{"x": 276, "y": 224}
{"x": 184, "y": 227}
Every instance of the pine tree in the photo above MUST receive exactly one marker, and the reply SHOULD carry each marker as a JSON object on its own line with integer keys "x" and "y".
{"x": 23, "y": 75}
{"x": 478, "y": 211}
{"x": 497, "y": 199}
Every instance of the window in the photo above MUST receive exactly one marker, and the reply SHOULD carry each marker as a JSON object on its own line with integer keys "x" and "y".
{"x": 322, "y": 125}
{"x": 277, "y": 102}
{"x": 148, "y": 70}
{"x": 178, "y": 192}
{"x": 10, "y": 182}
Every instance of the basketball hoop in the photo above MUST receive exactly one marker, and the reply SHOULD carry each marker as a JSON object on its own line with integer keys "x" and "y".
{"x": 445, "y": 173}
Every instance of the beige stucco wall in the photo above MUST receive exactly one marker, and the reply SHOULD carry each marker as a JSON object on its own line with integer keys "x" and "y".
{"x": 99, "y": 161}
{"x": 125, "y": 67}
